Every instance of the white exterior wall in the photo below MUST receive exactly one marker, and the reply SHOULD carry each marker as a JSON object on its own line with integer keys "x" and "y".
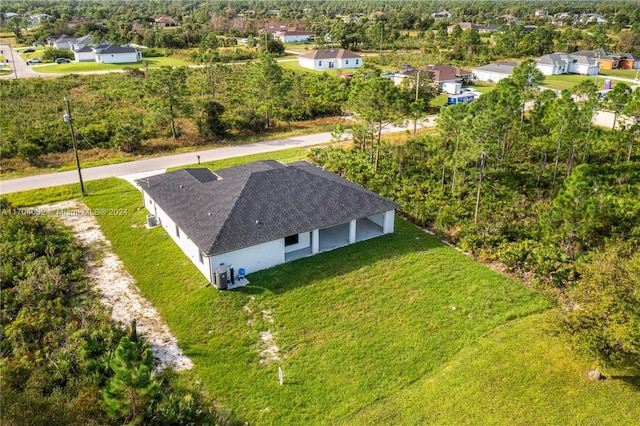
{"x": 489, "y": 76}
{"x": 85, "y": 56}
{"x": 349, "y": 63}
{"x": 389, "y": 222}
{"x": 304, "y": 241}
{"x": 252, "y": 259}
{"x": 325, "y": 64}
{"x": 306, "y": 63}
{"x": 548, "y": 69}
{"x": 186, "y": 245}
{"x": 118, "y": 58}
{"x": 294, "y": 38}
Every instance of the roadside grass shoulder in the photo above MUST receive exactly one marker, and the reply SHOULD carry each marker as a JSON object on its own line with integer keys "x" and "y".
{"x": 93, "y": 66}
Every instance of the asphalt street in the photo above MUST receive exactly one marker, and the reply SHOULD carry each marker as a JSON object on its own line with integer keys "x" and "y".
{"x": 191, "y": 158}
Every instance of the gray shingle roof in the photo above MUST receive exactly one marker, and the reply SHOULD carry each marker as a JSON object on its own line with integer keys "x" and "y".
{"x": 112, "y": 48}
{"x": 258, "y": 202}
{"x": 499, "y": 67}
{"x": 330, "y": 54}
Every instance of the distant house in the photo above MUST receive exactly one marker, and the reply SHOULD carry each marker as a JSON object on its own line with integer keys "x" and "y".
{"x": 494, "y": 72}
{"x": 85, "y": 54}
{"x": 259, "y": 215}
{"x": 441, "y": 15}
{"x": 113, "y": 54}
{"x": 470, "y": 26}
{"x": 592, "y": 18}
{"x": 563, "y": 63}
{"x": 612, "y": 60}
{"x": 68, "y": 42}
{"x": 326, "y": 59}
{"x": 442, "y": 75}
{"x": 292, "y": 35}
{"x": 165, "y": 21}
{"x": 108, "y": 54}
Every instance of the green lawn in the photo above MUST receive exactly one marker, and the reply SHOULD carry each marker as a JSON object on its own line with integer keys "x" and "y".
{"x": 400, "y": 329}
{"x": 568, "y": 81}
{"x": 92, "y": 66}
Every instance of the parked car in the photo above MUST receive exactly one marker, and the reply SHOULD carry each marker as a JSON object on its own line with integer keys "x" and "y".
{"x": 29, "y": 50}
{"x": 62, "y": 60}
{"x": 34, "y": 61}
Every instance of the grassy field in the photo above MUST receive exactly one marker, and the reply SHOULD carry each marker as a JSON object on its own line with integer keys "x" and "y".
{"x": 568, "y": 81}
{"x": 93, "y": 66}
{"x": 397, "y": 330}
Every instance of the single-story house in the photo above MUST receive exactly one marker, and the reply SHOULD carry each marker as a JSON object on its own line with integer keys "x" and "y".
{"x": 262, "y": 214}
{"x": 114, "y": 54}
{"x": 612, "y": 60}
{"x": 165, "y": 21}
{"x": 108, "y": 54}
{"x": 471, "y": 26}
{"x": 442, "y": 75}
{"x": 85, "y": 54}
{"x": 292, "y": 35}
{"x": 326, "y": 59}
{"x": 68, "y": 42}
{"x": 563, "y": 63}
{"x": 445, "y": 14}
{"x": 494, "y": 72}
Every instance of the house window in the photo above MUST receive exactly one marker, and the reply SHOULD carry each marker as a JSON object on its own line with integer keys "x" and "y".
{"x": 291, "y": 240}
{"x": 330, "y": 64}
{"x": 347, "y": 62}
{"x": 357, "y": 61}
{"x": 319, "y": 63}
{"x": 177, "y": 231}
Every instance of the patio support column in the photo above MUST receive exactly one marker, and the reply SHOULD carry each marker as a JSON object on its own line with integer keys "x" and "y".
{"x": 315, "y": 241}
{"x": 352, "y": 231}
{"x": 388, "y": 222}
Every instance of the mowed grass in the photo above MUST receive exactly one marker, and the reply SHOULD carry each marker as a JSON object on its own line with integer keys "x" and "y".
{"x": 93, "y": 66}
{"x": 353, "y": 326}
{"x": 400, "y": 329}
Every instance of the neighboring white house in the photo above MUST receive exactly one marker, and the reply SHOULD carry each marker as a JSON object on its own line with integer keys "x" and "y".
{"x": 85, "y": 54}
{"x": 68, "y": 42}
{"x": 326, "y": 59}
{"x": 114, "y": 54}
{"x": 108, "y": 54}
{"x": 262, "y": 214}
{"x": 564, "y": 63}
{"x": 292, "y": 35}
{"x": 494, "y": 72}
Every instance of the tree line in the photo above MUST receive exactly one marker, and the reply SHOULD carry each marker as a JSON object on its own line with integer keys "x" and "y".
{"x": 549, "y": 196}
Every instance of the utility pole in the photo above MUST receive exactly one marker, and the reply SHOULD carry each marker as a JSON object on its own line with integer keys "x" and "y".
{"x": 418, "y": 84}
{"x": 67, "y": 119}
{"x": 598, "y": 68}
{"x": 13, "y": 62}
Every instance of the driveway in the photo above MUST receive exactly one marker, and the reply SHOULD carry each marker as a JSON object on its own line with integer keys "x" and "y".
{"x": 19, "y": 65}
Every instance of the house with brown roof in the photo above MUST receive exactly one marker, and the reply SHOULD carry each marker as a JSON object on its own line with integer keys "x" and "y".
{"x": 449, "y": 78}
{"x": 292, "y": 35}
{"x": 165, "y": 21}
{"x": 471, "y": 26}
{"x": 327, "y": 59}
{"x": 612, "y": 60}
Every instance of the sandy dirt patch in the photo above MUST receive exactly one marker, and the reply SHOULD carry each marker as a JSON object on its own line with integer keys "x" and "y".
{"x": 117, "y": 287}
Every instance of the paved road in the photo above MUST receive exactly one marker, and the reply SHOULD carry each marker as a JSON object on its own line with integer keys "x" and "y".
{"x": 19, "y": 65}
{"x": 158, "y": 163}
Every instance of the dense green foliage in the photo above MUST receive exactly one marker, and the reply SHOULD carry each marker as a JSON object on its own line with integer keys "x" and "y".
{"x": 60, "y": 349}
{"x": 56, "y": 336}
{"x": 535, "y": 192}
{"x": 107, "y": 109}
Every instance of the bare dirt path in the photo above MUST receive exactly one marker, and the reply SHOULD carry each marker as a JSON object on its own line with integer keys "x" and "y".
{"x": 118, "y": 289}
